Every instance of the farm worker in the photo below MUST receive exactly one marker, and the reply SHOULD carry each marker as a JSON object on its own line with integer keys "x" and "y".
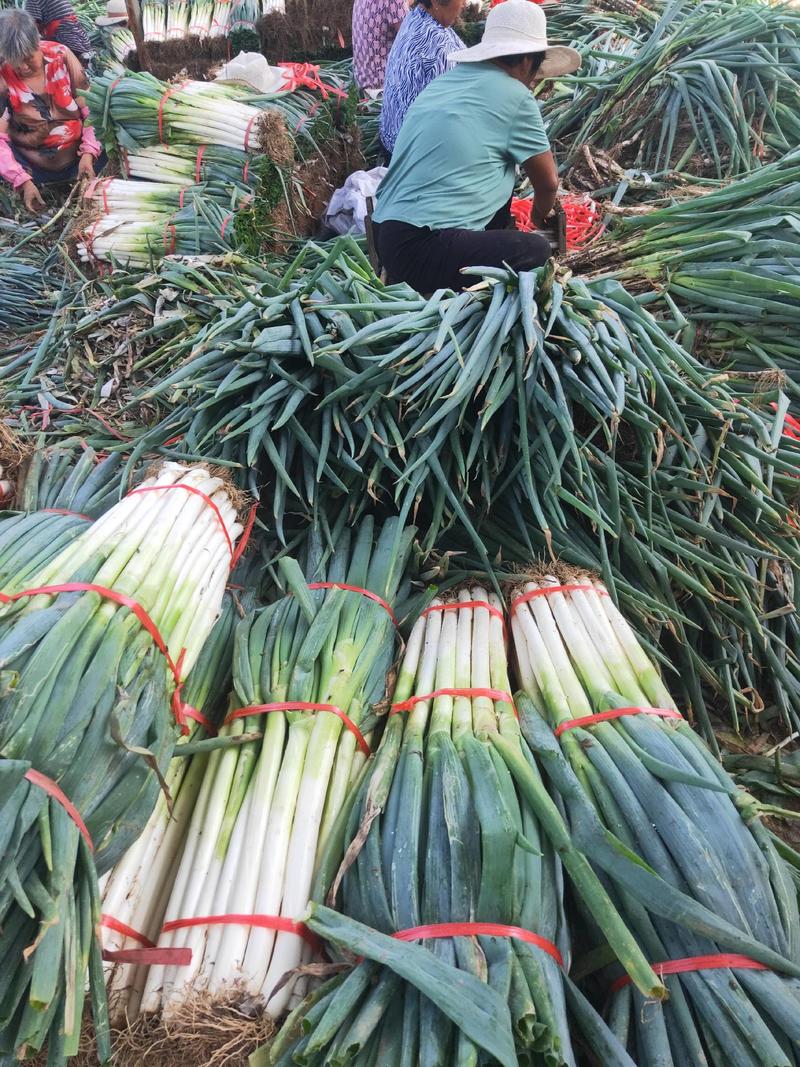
{"x": 44, "y": 135}
{"x": 445, "y": 201}
{"x": 56, "y": 21}
{"x": 375, "y": 26}
{"x": 419, "y": 54}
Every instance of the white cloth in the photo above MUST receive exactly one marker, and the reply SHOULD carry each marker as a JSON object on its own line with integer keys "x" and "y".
{"x": 348, "y": 207}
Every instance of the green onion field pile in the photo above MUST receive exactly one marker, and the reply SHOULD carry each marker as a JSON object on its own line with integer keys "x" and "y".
{"x": 485, "y": 752}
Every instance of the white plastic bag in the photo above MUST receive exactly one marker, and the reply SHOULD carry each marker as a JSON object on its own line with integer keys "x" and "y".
{"x": 252, "y": 69}
{"x": 348, "y": 207}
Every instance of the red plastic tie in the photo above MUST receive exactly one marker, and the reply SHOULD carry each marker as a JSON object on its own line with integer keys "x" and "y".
{"x": 66, "y": 511}
{"x": 547, "y": 590}
{"x": 196, "y": 492}
{"x": 492, "y": 694}
{"x": 181, "y": 195}
{"x": 697, "y": 963}
{"x": 614, "y": 713}
{"x": 172, "y": 89}
{"x": 245, "y": 538}
{"x": 263, "y": 922}
{"x": 198, "y": 161}
{"x": 126, "y": 602}
{"x": 196, "y": 715}
{"x": 301, "y": 705}
{"x": 519, "y": 933}
{"x": 118, "y": 927}
{"x": 456, "y": 604}
{"x": 149, "y": 953}
{"x": 247, "y": 131}
{"x": 56, "y": 792}
{"x": 245, "y": 170}
{"x": 356, "y": 589}
{"x": 224, "y": 225}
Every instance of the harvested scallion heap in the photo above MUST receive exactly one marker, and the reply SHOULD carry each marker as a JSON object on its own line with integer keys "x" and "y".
{"x": 90, "y": 709}
{"x": 267, "y": 807}
{"x": 653, "y": 783}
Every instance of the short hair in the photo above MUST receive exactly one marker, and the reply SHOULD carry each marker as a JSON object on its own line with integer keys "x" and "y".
{"x": 19, "y": 37}
{"x": 513, "y": 61}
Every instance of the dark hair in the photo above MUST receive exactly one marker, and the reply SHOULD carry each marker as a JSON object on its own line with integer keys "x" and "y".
{"x": 514, "y": 61}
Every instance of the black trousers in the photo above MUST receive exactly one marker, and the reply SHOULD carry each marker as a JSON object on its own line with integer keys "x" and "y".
{"x": 432, "y": 259}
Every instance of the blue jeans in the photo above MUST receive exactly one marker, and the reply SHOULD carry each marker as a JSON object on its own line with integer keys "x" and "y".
{"x": 55, "y": 177}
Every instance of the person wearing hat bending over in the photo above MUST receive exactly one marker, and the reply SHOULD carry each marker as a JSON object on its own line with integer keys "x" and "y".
{"x": 445, "y": 201}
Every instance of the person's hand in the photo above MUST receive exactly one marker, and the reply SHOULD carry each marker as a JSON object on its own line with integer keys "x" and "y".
{"x": 543, "y": 222}
{"x": 86, "y": 167}
{"x": 32, "y": 198}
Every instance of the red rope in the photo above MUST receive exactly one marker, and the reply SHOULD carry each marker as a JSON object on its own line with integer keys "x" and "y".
{"x": 474, "y": 929}
{"x": 66, "y": 511}
{"x": 127, "y": 931}
{"x": 56, "y": 792}
{"x": 197, "y": 715}
{"x": 548, "y": 590}
{"x": 614, "y": 713}
{"x": 244, "y": 539}
{"x": 196, "y": 492}
{"x": 356, "y": 589}
{"x": 264, "y": 922}
{"x": 247, "y": 131}
{"x": 198, "y": 161}
{"x": 456, "y": 604}
{"x": 492, "y": 694}
{"x": 697, "y": 963}
{"x": 224, "y": 225}
{"x": 172, "y": 89}
{"x": 301, "y": 705}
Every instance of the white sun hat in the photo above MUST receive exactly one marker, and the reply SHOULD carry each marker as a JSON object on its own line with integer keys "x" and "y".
{"x": 518, "y": 27}
{"x": 116, "y": 13}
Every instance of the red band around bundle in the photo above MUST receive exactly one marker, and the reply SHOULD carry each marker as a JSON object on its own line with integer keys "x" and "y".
{"x": 244, "y": 539}
{"x": 614, "y": 713}
{"x": 356, "y": 589}
{"x": 172, "y": 89}
{"x": 198, "y": 161}
{"x": 224, "y": 225}
{"x": 247, "y": 131}
{"x": 196, "y": 715}
{"x": 697, "y": 963}
{"x": 456, "y": 604}
{"x": 66, "y": 511}
{"x": 196, "y": 492}
{"x": 149, "y": 953}
{"x": 264, "y": 922}
{"x": 56, "y": 792}
{"x": 438, "y": 930}
{"x": 307, "y": 76}
{"x": 301, "y": 705}
{"x": 181, "y": 195}
{"x": 124, "y": 601}
{"x": 169, "y": 249}
{"x": 492, "y": 694}
{"x": 118, "y": 927}
{"x": 547, "y": 590}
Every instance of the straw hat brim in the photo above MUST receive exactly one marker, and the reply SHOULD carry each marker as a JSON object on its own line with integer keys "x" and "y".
{"x": 110, "y": 20}
{"x": 559, "y": 61}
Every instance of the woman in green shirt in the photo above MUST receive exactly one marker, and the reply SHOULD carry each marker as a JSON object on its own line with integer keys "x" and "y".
{"x": 444, "y": 203}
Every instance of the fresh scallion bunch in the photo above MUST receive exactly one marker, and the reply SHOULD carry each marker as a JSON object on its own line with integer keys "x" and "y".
{"x": 68, "y": 476}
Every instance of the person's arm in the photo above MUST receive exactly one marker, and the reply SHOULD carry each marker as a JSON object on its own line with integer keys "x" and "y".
{"x": 90, "y": 148}
{"x": 543, "y": 176}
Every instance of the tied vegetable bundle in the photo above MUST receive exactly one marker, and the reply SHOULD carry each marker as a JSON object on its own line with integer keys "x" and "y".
{"x": 633, "y": 768}
{"x": 307, "y": 670}
{"x": 440, "y": 848}
{"x": 712, "y": 90}
{"x": 87, "y": 724}
{"x": 136, "y": 892}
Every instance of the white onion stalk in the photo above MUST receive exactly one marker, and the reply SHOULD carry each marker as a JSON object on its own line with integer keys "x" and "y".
{"x": 177, "y": 19}
{"x": 154, "y": 20}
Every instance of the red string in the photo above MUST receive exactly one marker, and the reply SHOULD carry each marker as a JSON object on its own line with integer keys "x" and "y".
{"x": 196, "y": 492}
{"x": 243, "y": 540}
{"x": 456, "y": 604}
{"x": 169, "y": 251}
{"x": 697, "y": 963}
{"x": 54, "y": 790}
{"x": 181, "y": 195}
{"x": 66, "y": 511}
{"x": 127, "y": 931}
{"x": 547, "y": 590}
{"x": 307, "y": 76}
{"x": 301, "y": 705}
{"x": 356, "y": 589}
{"x": 224, "y": 225}
{"x": 492, "y": 694}
{"x": 247, "y": 131}
{"x": 614, "y": 713}
{"x": 439, "y": 930}
{"x": 197, "y": 715}
{"x": 140, "y": 613}
{"x": 172, "y": 89}
{"x": 264, "y": 922}
{"x": 198, "y": 161}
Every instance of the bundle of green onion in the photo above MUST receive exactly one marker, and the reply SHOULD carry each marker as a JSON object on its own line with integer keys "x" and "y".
{"x": 440, "y": 847}
{"x": 632, "y": 766}
{"x": 135, "y": 893}
{"x": 87, "y": 725}
{"x": 711, "y": 90}
{"x": 154, "y": 19}
{"x": 186, "y": 165}
{"x": 307, "y": 670}
{"x": 178, "y": 14}
{"x": 28, "y": 542}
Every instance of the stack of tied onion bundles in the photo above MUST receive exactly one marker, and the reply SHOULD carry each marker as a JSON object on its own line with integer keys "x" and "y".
{"x": 95, "y": 643}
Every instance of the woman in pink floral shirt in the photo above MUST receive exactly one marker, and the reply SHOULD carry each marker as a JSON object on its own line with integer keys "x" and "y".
{"x": 375, "y": 26}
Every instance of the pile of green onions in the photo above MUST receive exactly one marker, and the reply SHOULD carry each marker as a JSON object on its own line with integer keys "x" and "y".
{"x": 154, "y": 19}
{"x": 90, "y": 710}
{"x": 646, "y": 778}
{"x": 267, "y": 807}
{"x": 185, "y": 165}
{"x": 68, "y": 476}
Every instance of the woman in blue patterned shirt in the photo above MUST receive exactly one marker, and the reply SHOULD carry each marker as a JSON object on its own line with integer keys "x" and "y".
{"x": 418, "y": 55}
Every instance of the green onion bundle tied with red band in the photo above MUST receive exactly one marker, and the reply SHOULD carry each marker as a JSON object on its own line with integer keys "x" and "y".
{"x": 456, "y": 891}
{"x": 307, "y": 670}
{"x": 693, "y": 871}
{"x": 93, "y": 650}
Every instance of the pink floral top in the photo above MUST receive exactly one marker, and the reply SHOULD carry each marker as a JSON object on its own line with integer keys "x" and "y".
{"x": 374, "y": 31}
